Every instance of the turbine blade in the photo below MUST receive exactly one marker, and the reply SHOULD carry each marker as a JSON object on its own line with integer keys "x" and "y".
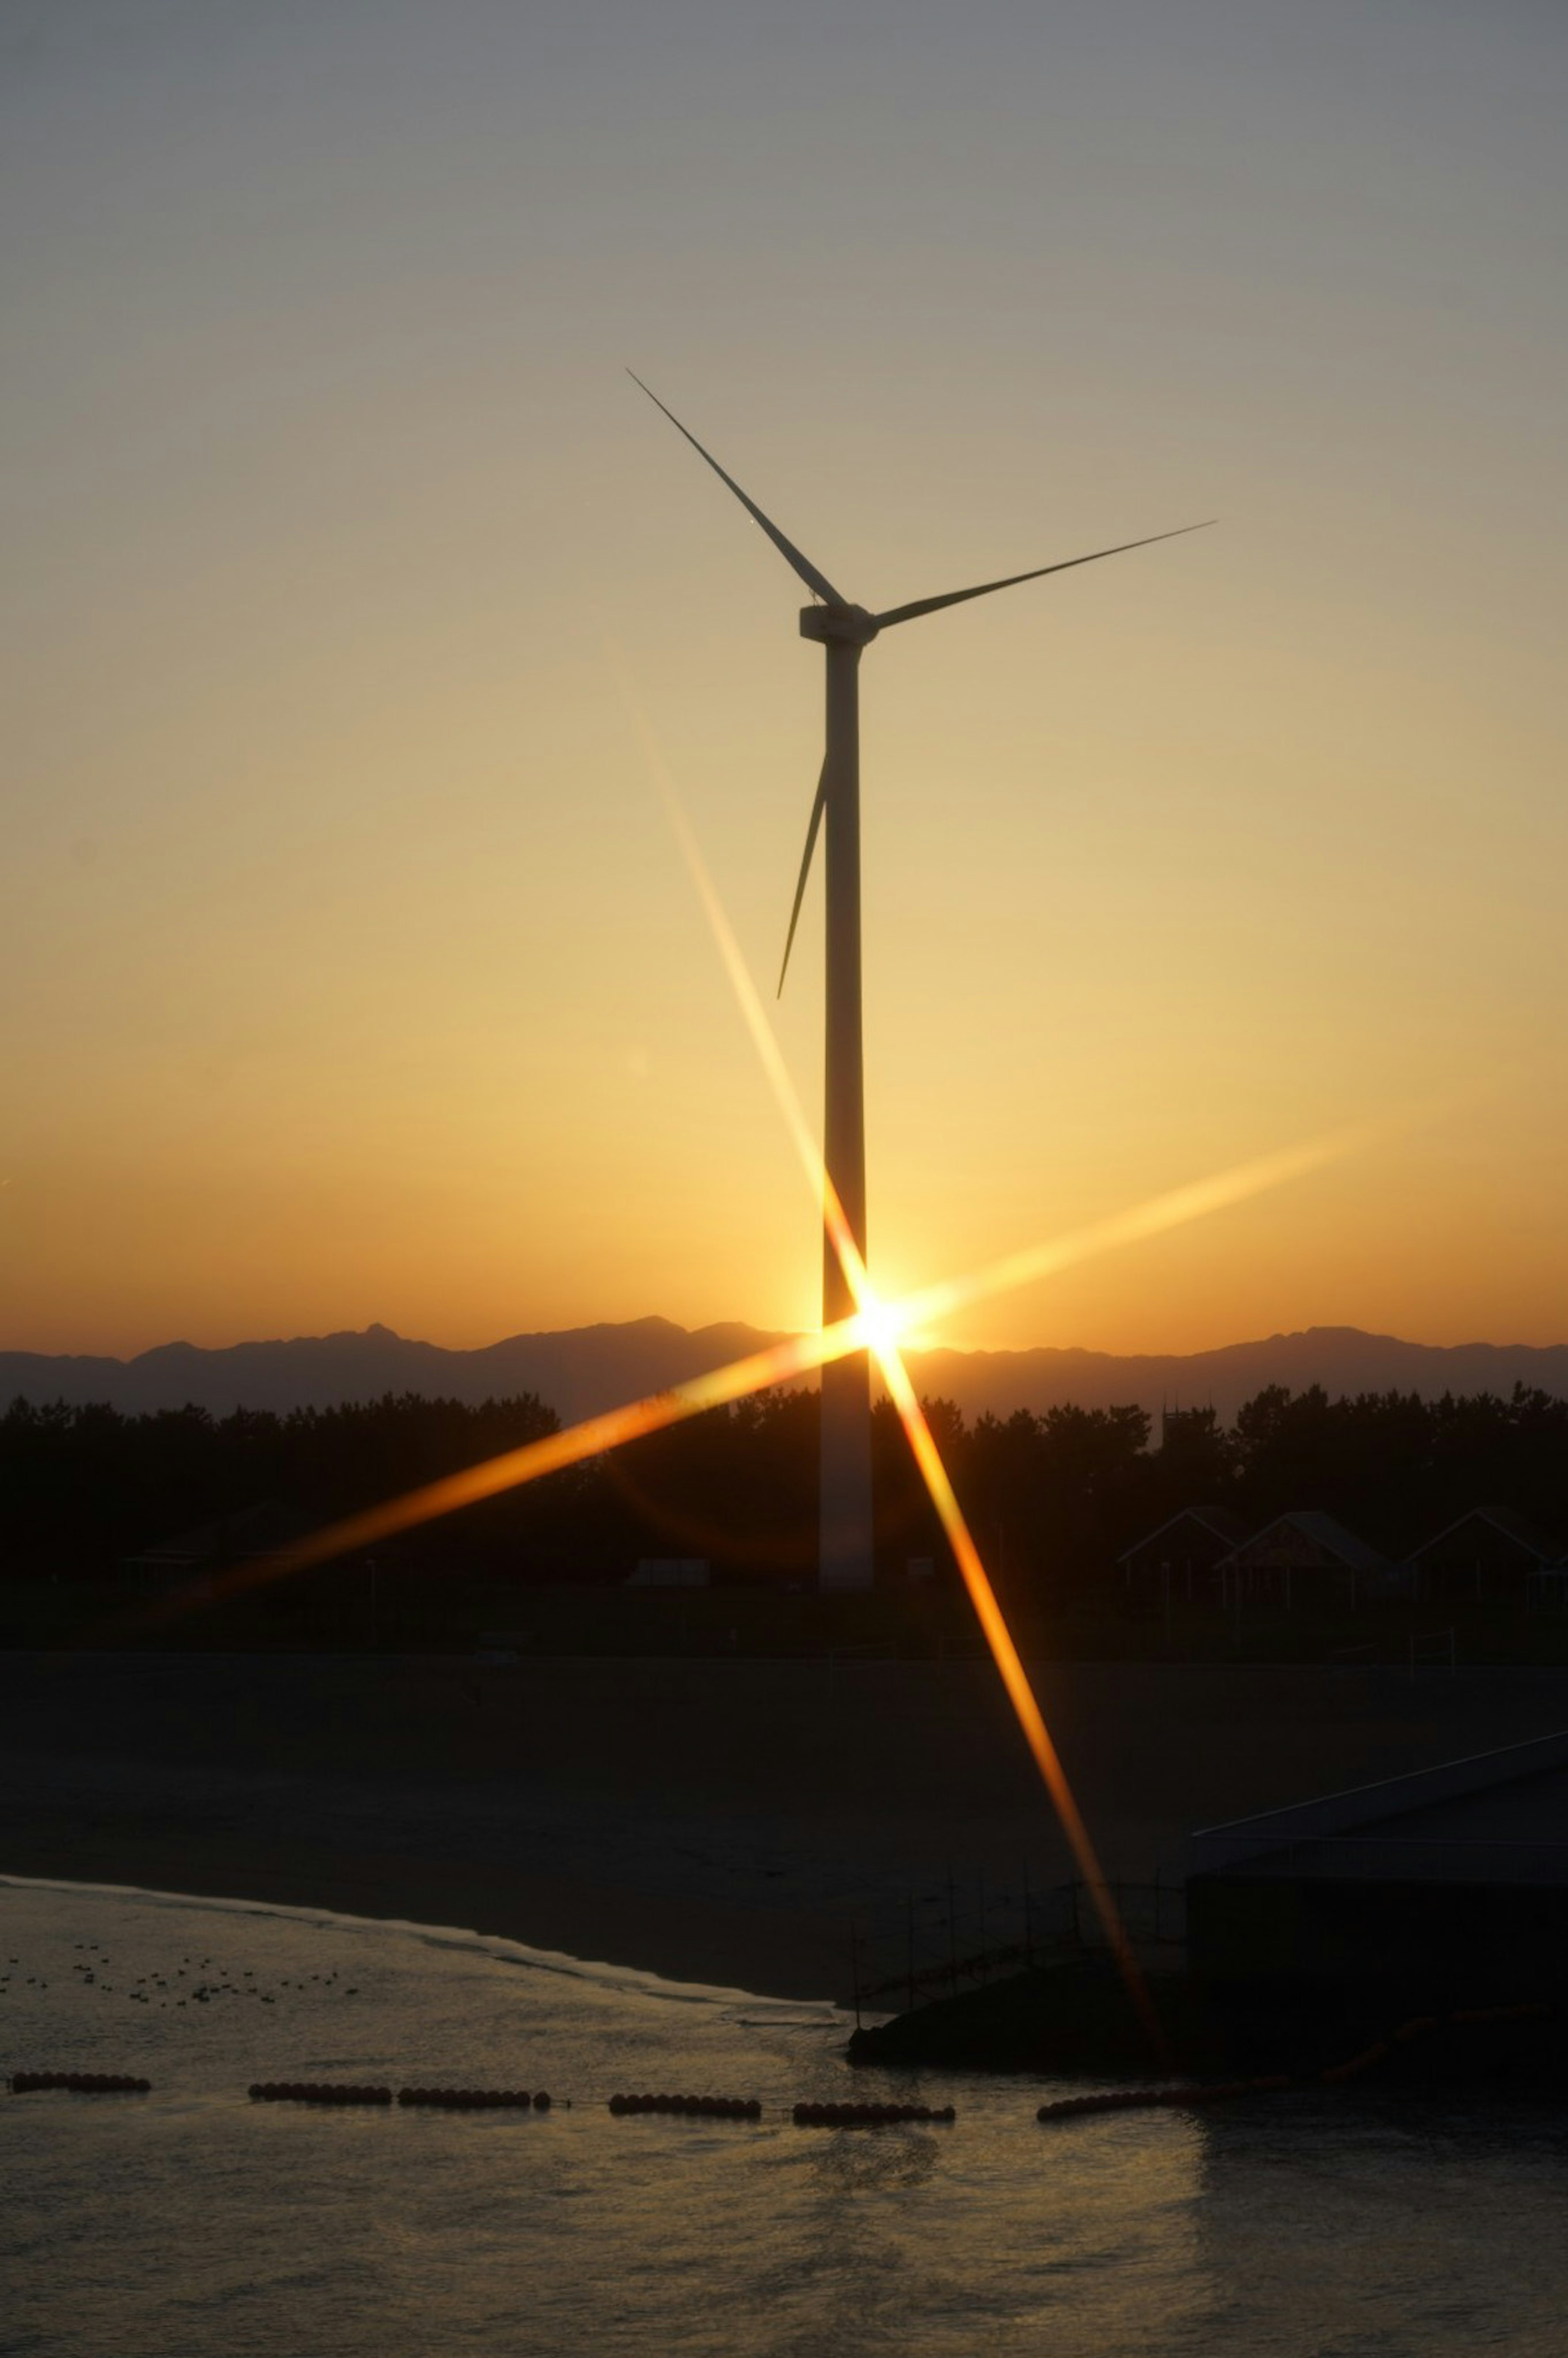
{"x": 816, "y": 809}
{"x": 958, "y": 596}
{"x": 786, "y": 549}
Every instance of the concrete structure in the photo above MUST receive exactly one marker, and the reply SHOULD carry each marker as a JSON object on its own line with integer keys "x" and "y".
{"x": 1450, "y": 1885}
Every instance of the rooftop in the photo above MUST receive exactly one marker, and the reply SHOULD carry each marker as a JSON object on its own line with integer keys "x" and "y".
{"x": 1496, "y": 1817}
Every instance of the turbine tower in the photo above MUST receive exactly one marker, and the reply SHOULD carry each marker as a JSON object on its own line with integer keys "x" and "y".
{"x": 842, "y": 629}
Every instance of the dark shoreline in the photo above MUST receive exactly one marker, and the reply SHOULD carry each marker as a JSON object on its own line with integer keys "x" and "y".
{"x": 766, "y": 1954}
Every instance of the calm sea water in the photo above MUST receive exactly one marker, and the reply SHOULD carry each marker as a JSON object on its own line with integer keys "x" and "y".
{"x": 192, "y": 2220}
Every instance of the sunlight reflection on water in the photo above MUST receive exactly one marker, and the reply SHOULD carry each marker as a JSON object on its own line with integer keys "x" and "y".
{"x": 191, "y": 2221}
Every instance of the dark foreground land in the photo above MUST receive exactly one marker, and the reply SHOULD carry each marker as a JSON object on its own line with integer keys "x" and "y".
{"x": 1073, "y": 2016}
{"x": 726, "y": 1823}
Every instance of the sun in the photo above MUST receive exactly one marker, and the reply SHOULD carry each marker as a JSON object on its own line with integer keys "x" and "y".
{"x": 882, "y": 1323}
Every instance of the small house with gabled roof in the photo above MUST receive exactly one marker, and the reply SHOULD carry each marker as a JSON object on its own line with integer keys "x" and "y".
{"x": 192, "y": 1558}
{"x": 1490, "y": 1555}
{"x": 1303, "y": 1545}
{"x": 1182, "y": 1553}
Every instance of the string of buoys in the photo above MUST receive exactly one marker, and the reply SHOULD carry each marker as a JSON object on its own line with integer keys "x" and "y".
{"x": 1357, "y": 2065}
{"x": 316, "y": 2092}
{"x": 808, "y": 2114}
{"x": 1127, "y": 2100}
{"x": 1338, "y": 2075}
{"x": 869, "y": 2116}
{"x": 1421, "y": 2025}
{"x": 708, "y": 2108}
{"x": 478, "y": 2100}
{"x": 81, "y": 2083}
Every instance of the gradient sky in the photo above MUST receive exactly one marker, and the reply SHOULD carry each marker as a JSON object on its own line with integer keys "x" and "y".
{"x": 351, "y": 968}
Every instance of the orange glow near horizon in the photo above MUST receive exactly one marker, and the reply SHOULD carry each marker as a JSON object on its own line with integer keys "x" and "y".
{"x": 1160, "y": 1214}
{"x": 800, "y": 1355}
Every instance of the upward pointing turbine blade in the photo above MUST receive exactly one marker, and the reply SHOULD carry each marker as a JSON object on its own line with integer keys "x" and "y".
{"x": 816, "y": 810}
{"x": 786, "y": 549}
{"x": 958, "y": 596}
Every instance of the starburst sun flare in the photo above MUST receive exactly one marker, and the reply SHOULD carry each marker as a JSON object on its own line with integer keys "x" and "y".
{"x": 879, "y": 1325}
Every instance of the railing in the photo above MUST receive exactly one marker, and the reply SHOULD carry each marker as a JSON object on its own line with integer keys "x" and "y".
{"x": 965, "y": 1931}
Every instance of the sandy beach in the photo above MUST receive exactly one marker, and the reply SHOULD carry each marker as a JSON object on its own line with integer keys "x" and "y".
{"x": 721, "y": 1823}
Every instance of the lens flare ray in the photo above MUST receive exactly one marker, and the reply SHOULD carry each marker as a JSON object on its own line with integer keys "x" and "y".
{"x": 1175, "y": 1209}
{"x": 758, "y": 1372}
{"x": 883, "y": 1323}
{"x": 880, "y": 1324}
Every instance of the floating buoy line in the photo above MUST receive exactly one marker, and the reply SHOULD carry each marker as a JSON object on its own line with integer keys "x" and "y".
{"x": 806, "y": 2114}
{"x": 478, "y": 2100}
{"x": 1338, "y": 2075}
{"x": 1128, "y": 2100}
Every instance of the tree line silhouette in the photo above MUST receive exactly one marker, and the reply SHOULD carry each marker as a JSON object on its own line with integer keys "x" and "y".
{"x": 1053, "y": 1498}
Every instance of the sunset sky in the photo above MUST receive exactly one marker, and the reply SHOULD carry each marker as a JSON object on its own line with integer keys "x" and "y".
{"x": 352, "y": 970}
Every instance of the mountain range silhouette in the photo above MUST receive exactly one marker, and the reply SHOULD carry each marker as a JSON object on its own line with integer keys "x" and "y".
{"x": 583, "y": 1369}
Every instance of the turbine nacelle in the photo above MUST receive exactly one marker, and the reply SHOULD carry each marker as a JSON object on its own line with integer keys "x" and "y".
{"x": 849, "y": 626}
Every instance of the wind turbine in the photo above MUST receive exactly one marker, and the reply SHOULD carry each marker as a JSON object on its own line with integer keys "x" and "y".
{"x": 842, "y": 629}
